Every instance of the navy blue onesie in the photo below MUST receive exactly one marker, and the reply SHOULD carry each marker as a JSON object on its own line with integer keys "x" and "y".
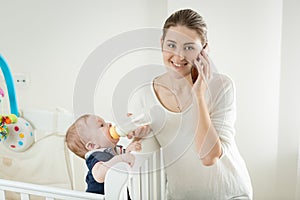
{"x": 97, "y": 156}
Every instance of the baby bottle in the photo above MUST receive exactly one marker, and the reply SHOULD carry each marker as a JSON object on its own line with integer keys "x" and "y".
{"x": 133, "y": 122}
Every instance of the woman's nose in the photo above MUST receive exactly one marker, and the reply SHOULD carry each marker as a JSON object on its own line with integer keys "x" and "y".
{"x": 179, "y": 56}
{"x": 179, "y": 53}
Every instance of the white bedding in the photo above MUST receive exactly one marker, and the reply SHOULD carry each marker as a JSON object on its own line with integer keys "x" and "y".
{"x": 47, "y": 161}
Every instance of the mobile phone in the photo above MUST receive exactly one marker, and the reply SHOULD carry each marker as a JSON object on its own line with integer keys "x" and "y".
{"x": 194, "y": 74}
{"x": 194, "y": 71}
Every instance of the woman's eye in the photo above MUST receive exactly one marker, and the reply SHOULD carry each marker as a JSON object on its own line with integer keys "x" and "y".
{"x": 171, "y": 45}
{"x": 189, "y": 48}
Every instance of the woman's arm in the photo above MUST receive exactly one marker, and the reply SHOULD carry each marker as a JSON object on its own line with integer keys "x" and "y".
{"x": 207, "y": 140}
{"x": 215, "y": 130}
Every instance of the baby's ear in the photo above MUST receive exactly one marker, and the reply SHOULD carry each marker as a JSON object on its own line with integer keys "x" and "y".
{"x": 91, "y": 146}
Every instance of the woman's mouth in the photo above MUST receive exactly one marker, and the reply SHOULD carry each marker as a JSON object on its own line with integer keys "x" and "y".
{"x": 178, "y": 65}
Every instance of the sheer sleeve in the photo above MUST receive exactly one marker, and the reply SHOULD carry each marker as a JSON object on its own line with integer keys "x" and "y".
{"x": 223, "y": 110}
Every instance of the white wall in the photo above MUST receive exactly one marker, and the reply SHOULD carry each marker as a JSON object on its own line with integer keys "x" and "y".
{"x": 48, "y": 41}
{"x": 252, "y": 41}
{"x": 288, "y": 163}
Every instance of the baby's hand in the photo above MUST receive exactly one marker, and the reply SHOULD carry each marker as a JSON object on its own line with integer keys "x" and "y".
{"x": 134, "y": 146}
{"x": 128, "y": 158}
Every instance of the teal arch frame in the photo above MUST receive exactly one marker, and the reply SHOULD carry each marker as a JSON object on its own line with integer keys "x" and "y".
{"x": 10, "y": 86}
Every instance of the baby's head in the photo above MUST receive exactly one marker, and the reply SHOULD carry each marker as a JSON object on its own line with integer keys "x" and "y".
{"x": 87, "y": 133}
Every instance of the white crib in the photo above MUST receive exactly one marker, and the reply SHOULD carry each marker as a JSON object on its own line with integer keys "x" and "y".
{"x": 115, "y": 188}
{"x": 145, "y": 180}
{"x": 143, "y": 185}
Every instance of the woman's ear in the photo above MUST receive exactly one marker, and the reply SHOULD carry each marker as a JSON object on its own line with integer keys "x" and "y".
{"x": 161, "y": 43}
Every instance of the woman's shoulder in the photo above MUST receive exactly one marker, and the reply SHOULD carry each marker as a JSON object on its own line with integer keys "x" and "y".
{"x": 222, "y": 77}
{"x": 222, "y": 80}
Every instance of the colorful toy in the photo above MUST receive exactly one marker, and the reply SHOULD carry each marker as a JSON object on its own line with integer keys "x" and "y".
{"x": 20, "y": 135}
{"x": 15, "y": 132}
{"x": 4, "y": 121}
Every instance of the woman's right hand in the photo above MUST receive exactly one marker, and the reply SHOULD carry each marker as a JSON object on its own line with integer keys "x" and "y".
{"x": 203, "y": 68}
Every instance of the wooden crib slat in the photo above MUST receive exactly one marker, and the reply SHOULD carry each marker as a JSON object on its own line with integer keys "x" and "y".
{"x": 162, "y": 176}
{"x": 2, "y": 194}
{"x": 24, "y": 196}
{"x": 145, "y": 183}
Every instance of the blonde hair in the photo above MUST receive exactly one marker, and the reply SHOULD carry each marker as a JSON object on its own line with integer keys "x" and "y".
{"x": 189, "y": 18}
{"x": 73, "y": 139}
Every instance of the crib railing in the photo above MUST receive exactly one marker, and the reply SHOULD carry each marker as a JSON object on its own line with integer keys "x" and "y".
{"x": 115, "y": 188}
{"x": 49, "y": 193}
{"x": 145, "y": 181}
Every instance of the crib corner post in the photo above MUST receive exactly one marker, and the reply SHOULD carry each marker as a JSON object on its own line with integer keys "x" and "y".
{"x": 116, "y": 181}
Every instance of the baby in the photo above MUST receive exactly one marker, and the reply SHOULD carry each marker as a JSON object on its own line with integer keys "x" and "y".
{"x": 89, "y": 138}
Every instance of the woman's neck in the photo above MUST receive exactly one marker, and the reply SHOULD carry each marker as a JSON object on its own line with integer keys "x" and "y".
{"x": 178, "y": 85}
{"x": 174, "y": 93}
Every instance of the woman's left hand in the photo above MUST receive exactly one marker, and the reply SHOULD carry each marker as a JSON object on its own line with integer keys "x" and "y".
{"x": 140, "y": 132}
{"x": 202, "y": 64}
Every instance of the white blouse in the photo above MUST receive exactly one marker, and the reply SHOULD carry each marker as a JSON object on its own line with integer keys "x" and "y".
{"x": 187, "y": 177}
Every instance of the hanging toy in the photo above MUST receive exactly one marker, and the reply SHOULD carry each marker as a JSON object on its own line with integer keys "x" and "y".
{"x": 20, "y": 135}
{"x": 4, "y": 121}
{"x": 15, "y": 132}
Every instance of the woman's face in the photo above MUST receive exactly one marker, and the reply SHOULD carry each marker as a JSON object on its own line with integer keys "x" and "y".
{"x": 181, "y": 46}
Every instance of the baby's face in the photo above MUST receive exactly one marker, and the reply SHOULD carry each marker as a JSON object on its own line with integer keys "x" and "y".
{"x": 98, "y": 131}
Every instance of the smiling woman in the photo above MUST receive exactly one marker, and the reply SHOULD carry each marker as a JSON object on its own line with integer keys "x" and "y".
{"x": 198, "y": 136}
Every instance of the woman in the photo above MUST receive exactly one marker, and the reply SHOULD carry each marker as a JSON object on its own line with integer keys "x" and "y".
{"x": 200, "y": 155}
